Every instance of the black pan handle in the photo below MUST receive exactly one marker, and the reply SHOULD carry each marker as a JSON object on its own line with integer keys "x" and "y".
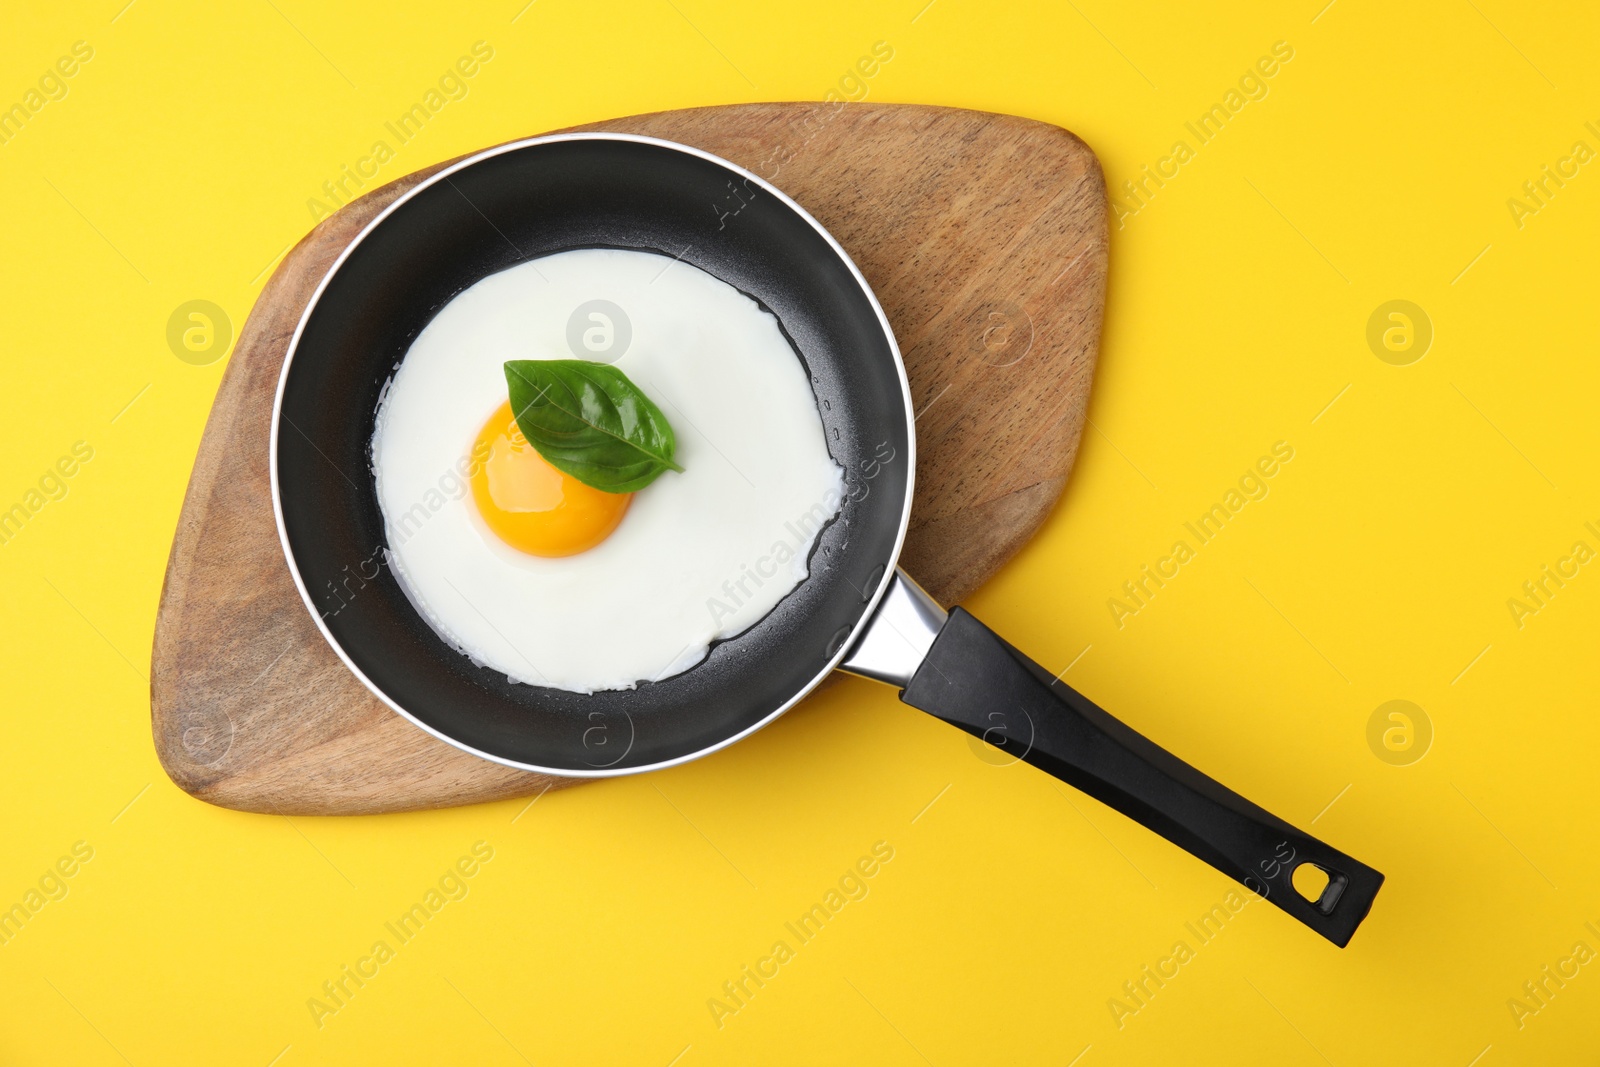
{"x": 973, "y": 679}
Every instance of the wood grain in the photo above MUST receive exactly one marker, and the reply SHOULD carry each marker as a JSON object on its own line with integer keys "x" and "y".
{"x": 984, "y": 237}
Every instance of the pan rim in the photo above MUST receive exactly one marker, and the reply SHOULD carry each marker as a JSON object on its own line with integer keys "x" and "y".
{"x": 442, "y": 175}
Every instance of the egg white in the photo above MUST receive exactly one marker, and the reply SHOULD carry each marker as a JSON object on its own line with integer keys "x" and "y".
{"x": 699, "y": 556}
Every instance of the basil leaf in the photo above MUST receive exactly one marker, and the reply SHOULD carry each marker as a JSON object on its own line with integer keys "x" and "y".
{"x": 589, "y": 420}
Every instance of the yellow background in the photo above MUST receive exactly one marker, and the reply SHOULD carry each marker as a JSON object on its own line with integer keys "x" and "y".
{"x": 1378, "y": 167}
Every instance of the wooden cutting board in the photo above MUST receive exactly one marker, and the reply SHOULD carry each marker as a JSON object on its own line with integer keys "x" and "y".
{"x": 984, "y": 237}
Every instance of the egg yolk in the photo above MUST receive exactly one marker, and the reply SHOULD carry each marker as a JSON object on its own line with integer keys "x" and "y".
{"x": 530, "y": 505}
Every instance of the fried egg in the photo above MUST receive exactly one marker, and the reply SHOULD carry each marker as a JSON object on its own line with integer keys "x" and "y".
{"x": 530, "y": 572}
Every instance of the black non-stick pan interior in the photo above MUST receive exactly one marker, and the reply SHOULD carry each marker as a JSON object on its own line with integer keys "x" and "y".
{"x": 534, "y": 200}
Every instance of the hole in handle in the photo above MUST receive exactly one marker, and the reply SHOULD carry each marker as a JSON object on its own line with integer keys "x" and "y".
{"x": 1318, "y": 885}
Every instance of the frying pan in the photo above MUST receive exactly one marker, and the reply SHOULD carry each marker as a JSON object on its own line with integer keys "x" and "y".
{"x": 856, "y": 611}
